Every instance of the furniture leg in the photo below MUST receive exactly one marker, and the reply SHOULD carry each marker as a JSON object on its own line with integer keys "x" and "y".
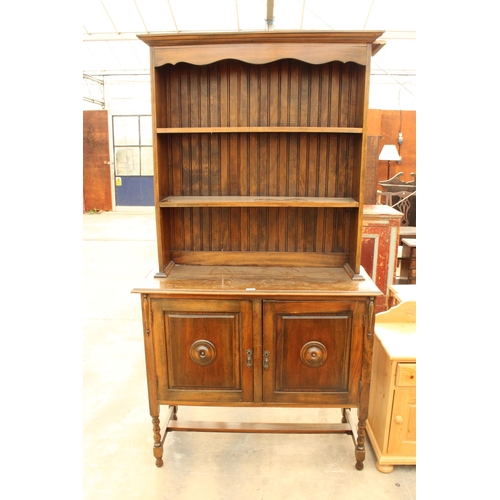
{"x": 344, "y": 418}
{"x": 386, "y": 469}
{"x": 158, "y": 444}
{"x": 358, "y": 435}
{"x": 360, "y": 446}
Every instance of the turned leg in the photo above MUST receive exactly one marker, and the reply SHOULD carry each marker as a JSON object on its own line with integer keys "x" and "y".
{"x": 174, "y": 414}
{"x": 360, "y": 446}
{"x": 344, "y": 418}
{"x": 158, "y": 446}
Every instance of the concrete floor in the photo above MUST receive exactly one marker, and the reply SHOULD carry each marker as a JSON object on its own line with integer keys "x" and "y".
{"x": 119, "y": 251}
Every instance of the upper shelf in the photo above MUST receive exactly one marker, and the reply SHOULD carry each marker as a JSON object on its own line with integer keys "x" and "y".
{"x": 222, "y": 130}
{"x": 257, "y": 201}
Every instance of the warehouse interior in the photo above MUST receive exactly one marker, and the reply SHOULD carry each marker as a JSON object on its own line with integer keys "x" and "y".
{"x": 82, "y": 433}
{"x": 116, "y": 76}
{"x": 117, "y": 96}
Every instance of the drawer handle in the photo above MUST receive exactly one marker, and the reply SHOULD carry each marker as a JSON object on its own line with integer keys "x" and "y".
{"x": 399, "y": 419}
{"x": 266, "y": 360}
{"x": 249, "y": 357}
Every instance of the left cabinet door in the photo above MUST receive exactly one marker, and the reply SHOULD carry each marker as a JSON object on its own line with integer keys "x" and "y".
{"x": 200, "y": 350}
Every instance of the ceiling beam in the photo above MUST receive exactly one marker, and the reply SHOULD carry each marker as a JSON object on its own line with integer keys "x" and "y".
{"x": 93, "y": 78}
{"x": 110, "y": 37}
{"x": 110, "y": 18}
{"x": 270, "y": 13}
{"x": 94, "y": 101}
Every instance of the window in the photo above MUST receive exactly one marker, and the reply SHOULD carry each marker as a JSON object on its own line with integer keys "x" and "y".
{"x": 133, "y": 145}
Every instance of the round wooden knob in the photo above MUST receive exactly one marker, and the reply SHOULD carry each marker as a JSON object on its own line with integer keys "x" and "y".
{"x": 313, "y": 354}
{"x": 203, "y": 352}
{"x": 399, "y": 419}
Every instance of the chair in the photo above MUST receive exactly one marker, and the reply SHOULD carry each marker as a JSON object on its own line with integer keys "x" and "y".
{"x": 403, "y": 205}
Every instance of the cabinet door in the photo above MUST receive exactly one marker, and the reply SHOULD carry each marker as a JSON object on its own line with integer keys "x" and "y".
{"x": 313, "y": 352}
{"x": 403, "y": 432}
{"x": 200, "y": 350}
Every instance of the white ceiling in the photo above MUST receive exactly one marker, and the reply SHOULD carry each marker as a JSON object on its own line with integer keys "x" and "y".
{"x": 110, "y": 27}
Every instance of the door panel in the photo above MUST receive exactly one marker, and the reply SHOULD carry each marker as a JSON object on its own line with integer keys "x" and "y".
{"x": 200, "y": 350}
{"x": 403, "y": 433}
{"x": 312, "y": 350}
{"x": 323, "y": 360}
{"x": 96, "y": 170}
{"x": 134, "y": 191}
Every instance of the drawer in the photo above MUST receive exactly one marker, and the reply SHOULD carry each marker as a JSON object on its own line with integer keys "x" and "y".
{"x": 406, "y": 374}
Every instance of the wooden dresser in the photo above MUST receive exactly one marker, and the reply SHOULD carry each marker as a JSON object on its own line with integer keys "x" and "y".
{"x": 392, "y": 414}
{"x": 260, "y": 298}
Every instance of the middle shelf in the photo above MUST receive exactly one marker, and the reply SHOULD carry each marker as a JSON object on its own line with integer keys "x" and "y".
{"x": 257, "y": 201}
{"x": 259, "y": 129}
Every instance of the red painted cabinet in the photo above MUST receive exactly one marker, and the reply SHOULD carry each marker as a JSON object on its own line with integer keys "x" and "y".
{"x": 379, "y": 253}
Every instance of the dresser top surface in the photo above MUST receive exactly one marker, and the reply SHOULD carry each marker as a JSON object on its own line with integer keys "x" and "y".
{"x": 259, "y": 280}
{"x": 398, "y": 339}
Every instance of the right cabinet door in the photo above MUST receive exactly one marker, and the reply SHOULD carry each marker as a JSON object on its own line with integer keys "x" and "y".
{"x": 312, "y": 352}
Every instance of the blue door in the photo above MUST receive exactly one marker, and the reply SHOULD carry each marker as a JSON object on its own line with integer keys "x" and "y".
{"x": 133, "y": 157}
{"x": 134, "y": 191}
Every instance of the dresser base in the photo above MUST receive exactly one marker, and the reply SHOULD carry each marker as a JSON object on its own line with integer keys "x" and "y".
{"x": 348, "y": 426}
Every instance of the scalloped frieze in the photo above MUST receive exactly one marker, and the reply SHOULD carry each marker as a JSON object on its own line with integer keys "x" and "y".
{"x": 261, "y": 53}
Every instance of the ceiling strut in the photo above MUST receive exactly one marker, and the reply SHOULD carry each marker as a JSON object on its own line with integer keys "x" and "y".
{"x": 270, "y": 13}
